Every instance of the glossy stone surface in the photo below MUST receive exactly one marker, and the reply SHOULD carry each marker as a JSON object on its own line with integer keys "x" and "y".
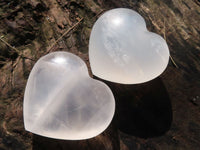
{"x": 61, "y": 101}
{"x": 122, "y": 50}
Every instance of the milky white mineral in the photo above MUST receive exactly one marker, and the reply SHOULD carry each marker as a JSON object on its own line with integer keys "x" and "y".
{"x": 122, "y": 50}
{"x": 61, "y": 101}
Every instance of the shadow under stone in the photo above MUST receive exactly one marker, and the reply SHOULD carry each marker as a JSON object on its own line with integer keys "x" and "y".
{"x": 142, "y": 110}
{"x": 44, "y": 143}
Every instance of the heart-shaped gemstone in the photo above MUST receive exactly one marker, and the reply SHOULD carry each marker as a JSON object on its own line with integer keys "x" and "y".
{"x": 122, "y": 50}
{"x": 61, "y": 100}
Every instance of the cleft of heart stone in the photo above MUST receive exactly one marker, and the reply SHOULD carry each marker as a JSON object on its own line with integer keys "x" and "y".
{"x": 61, "y": 100}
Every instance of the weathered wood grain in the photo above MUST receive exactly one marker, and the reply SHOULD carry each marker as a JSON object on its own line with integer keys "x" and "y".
{"x": 161, "y": 114}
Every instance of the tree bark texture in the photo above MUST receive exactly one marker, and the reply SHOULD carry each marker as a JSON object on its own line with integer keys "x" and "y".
{"x": 162, "y": 114}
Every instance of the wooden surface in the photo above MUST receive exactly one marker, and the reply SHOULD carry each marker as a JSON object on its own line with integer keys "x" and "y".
{"x": 162, "y": 114}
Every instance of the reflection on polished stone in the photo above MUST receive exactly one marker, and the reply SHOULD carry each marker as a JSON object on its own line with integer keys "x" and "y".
{"x": 122, "y": 50}
{"x": 61, "y": 101}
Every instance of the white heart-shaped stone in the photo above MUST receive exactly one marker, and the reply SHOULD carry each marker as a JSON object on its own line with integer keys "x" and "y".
{"x": 122, "y": 50}
{"x": 61, "y": 101}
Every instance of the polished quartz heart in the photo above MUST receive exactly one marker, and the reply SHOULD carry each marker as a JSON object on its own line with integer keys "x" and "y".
{"x": 122, "y": 50}
{"x": 61, "y": 101}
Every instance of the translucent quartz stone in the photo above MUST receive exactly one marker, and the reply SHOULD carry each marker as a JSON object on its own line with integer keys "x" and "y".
{"x": 122, "y": 50}
{"x": 61, "y": 100}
